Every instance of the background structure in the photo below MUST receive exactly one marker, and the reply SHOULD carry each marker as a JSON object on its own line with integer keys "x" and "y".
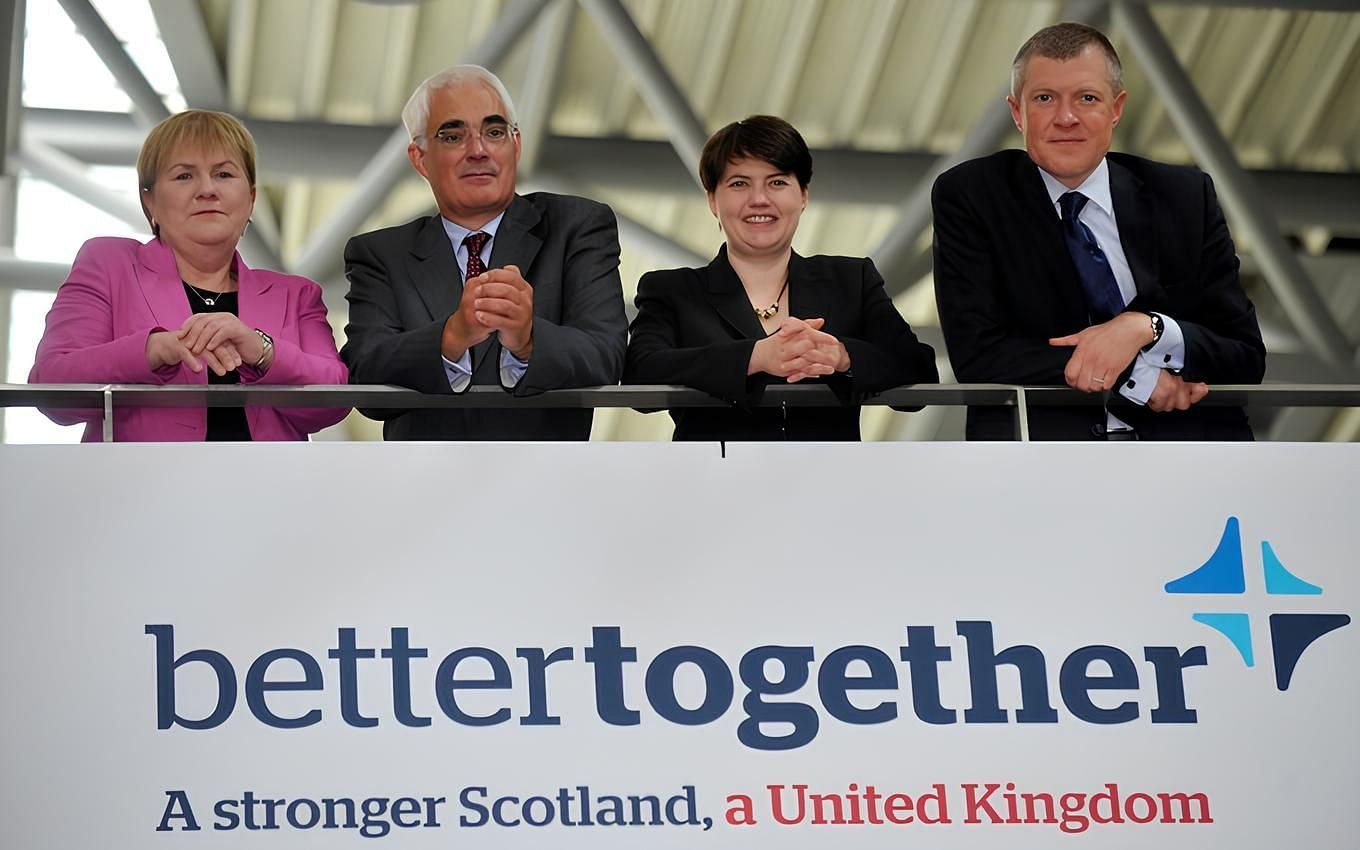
{"x": 616, "y": 98}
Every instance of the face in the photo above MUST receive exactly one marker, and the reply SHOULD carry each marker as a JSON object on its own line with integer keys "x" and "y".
{"x": 1067, "y": 113}
{"x": 473, "y": 181}
{"x": 758, "y": 207}
{"x": 201, "y": 198}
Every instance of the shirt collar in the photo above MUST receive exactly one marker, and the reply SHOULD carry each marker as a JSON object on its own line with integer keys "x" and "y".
{"x": 1096, "y": 187}
{"x": 457, "y": 232}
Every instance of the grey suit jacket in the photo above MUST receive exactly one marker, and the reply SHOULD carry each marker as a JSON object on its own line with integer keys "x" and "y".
{"x": 405, "y": 282}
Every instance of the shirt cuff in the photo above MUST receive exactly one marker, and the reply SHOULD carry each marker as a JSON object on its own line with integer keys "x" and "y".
{"x": 1142, "y": 380}
{"x": 512, "y": 369}
{"x": 459, "y": 373}
{"x": 1169, "y": 352}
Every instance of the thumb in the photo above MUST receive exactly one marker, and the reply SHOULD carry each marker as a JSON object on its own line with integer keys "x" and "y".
{"x": 815, "y": 324}
{"x": 1067, "y": 341}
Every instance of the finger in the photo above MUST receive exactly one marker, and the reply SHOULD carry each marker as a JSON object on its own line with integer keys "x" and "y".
{"x": 815, "y": 324}
{"x": 214, "y": 363}
{"x": 223, "y": 334}
{"x": 498, "y": 289}
{"x": 1065, "y": 341}
{"x": 187, "y": 358}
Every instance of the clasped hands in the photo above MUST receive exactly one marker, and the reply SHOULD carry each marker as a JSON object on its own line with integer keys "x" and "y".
{"x": 221, "y": 339}
{"x": 799, "y": 349}
{"x": 1102, "y": 352}
{"x": 496, "y": 301}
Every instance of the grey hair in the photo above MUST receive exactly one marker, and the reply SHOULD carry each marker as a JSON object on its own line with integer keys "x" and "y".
{"x": 1063, "y": 42}
{"x": 416, "y": 114}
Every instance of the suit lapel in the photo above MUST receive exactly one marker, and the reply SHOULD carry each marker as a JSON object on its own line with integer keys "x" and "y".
{"x": 1135, "y": 212}
{"x": 158, "y": 278}
{"x": 261, "y": 304}
{"x": 1043, "y": 237}
{"x": 434, "y": 270}
{"x": 810, "y": 297}
{"x": 729, "y": 298}
{"x": 517, "y": 243}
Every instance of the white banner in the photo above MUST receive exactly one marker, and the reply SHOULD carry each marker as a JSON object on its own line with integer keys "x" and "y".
{"x": 646, "y": 645}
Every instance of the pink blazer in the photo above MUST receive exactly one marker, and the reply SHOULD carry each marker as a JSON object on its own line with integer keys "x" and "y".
{"x": 120, "y": 291}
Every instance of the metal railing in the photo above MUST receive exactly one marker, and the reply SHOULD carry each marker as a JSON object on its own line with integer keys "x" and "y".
{"x": 110, "y": 397}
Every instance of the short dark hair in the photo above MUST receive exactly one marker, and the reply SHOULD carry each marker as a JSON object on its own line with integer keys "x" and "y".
{"x": 763, "y": 137}
{"x": 1062, "y": 42}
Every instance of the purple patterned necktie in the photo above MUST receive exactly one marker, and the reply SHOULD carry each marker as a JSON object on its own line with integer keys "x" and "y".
{"x": 475, "y": 242}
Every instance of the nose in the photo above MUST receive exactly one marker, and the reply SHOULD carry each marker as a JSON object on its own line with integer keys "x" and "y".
{"x": 759, "y": 196}
{"x": 1067, "y": 116}
{"x": 476, "y": 145}
{"x": 207, "y": 187}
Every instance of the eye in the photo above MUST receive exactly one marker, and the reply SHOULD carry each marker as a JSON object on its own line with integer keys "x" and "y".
{"x": 225, "y": 175}
{"x": 495, "y": 134}
{"x": 737, "y": 184}
{"x": 450, "y": 137}
{"x": 183, "y": 175}
{"x": 1089, "y": 98}
{"x": 779, "y": 181}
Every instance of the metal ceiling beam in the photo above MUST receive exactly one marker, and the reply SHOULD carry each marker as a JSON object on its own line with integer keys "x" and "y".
{"x": 68, "y": 174}
{"x": 389, "y": 164}
{"x": 318, "y": 150}
{"x": 1292, "y": 5}
{"x": 899, "y": 247}
{"x": 146, "y": 102}
{"x": 658, "y": 89}
{"x": 539, "y": 94}
{"x": 1241, "y": 197}
{"x": 11, "y": 92}
{"x": 191, "y": 52}
{"x": 28, "y": 274}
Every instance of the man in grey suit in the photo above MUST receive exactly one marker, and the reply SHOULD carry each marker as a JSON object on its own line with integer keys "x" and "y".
{"x": 520, "y": 291}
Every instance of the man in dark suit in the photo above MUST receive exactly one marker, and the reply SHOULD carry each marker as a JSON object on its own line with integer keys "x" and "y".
{"x": 520, "y": 291}
{"x": 1113, "y": 274}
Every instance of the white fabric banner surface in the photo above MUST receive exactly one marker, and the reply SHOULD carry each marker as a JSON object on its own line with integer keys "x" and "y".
{"x": 647, "y": 645}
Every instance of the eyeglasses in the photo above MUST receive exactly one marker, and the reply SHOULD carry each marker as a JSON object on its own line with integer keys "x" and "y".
{"x": 492, "y": 135}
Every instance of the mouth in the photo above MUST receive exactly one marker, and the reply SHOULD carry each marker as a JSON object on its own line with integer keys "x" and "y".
{"x": 480, "y": 176}
{"x": 209, "y": 212}
{"x": 759, "y": 219}
{"x": 1066, "y": 141}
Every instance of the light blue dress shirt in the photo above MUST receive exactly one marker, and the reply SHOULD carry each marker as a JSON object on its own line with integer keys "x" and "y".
{"x": 459, "y": 372}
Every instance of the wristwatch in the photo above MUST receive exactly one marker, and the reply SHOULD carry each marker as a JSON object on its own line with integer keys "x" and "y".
{"x": 268, "y": 342}
{"x": 1158, "y": 328}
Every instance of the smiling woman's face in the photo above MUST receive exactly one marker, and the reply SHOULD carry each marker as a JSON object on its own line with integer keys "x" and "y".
{"x": 758, "y": 206}
{"x": 201, "y": 197}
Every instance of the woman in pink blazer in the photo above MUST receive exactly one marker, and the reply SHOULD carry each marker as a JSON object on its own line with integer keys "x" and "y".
{"x": 183, "y": 308}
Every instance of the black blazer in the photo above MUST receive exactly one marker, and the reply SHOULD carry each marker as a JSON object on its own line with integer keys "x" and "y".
{"x": 696, "y": 327}
{"x": 1005, "y": 284}
{"x": 405, "y": 282}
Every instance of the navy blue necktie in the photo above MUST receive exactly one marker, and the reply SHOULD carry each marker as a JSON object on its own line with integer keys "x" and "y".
{"x": 1103, "y": 299}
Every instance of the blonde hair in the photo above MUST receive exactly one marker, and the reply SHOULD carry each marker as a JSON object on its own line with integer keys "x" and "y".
{"x": 199, "y": 128}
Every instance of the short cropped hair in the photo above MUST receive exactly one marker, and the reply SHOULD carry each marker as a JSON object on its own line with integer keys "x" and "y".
{"x": 763, "y": 137}
{"x": 416, "y": 114}
{"x": 197, "y": 128}
{"x": 1062, "y": 42}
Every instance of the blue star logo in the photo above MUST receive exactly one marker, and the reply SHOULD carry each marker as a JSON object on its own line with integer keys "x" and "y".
{"x": 1225, "y": 573}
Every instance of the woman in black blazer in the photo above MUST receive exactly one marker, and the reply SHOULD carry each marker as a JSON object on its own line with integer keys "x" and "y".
{"x": 761, "y": 314}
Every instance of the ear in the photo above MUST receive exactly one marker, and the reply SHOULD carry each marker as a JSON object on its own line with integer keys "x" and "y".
{"x": 1119, "y": 107}
{"x": 1017, "y": 114}
{"x": 713, "y": 204}
{"x": 519, "y": 145}
{"x": 805, "y": 197}
{"x": 417, "y": 157}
